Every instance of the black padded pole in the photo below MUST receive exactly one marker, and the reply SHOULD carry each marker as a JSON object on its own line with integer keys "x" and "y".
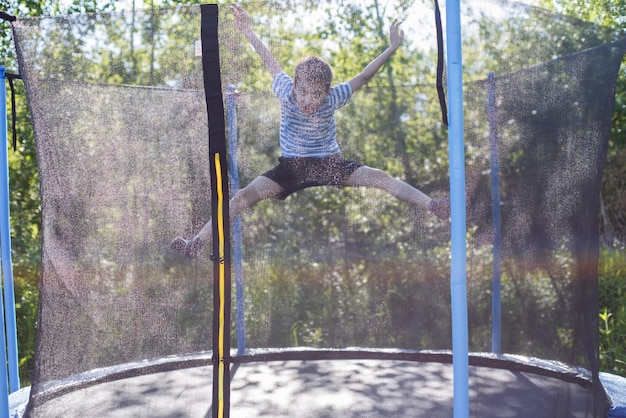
{"x": 10, "y": 77}
{"x": 219, "y": 209}
{"x": 8, "y": 17}
{"x": 440, "y": 59}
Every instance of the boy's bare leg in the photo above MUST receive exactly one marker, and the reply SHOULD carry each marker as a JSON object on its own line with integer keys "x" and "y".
{"x": 259, "y": 189}
{"x": 366, "y": 176}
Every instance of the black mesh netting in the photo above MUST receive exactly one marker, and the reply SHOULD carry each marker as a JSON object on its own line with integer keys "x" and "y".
{"x": 121, "y": 130}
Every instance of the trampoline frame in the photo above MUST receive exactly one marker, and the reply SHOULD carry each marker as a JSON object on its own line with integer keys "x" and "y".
{"x": 513, "y": 363}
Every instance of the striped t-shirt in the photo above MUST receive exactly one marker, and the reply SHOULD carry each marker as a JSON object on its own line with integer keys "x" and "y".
{"x": 302, "y": 135}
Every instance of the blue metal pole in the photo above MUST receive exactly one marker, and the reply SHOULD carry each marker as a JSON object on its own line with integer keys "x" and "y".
{"x": 496, "y": 306}
{"x": 458, "y": 279}
{"x": 5, "y": 244}
{"x": 233, "y": 140}
{"x": 5, "y": 222}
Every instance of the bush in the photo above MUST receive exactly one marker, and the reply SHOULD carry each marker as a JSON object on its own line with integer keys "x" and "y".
{"x": 26, "y": 308}
{"x": 612, "y": 302}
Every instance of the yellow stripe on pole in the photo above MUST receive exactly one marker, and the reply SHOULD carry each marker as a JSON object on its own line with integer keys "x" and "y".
{"x": 222, "y": 286}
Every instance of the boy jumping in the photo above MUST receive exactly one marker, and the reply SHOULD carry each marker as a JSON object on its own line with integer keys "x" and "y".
{"x": 308, "y": 144}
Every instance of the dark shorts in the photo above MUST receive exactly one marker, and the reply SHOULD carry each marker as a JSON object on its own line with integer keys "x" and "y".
{"x": 293, "y": 174}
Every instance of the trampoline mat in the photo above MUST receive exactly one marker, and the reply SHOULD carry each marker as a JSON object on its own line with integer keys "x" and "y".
{"x": 329, "y": 388}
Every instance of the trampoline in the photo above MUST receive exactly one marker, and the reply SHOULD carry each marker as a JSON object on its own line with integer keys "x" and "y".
{"x": 324, "y": 384}
{"x": 341, "y": 299}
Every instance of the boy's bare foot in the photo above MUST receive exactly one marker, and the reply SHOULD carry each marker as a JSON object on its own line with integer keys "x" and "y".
{"x": 440, "y": 208}
{"x": 189, "y": 248}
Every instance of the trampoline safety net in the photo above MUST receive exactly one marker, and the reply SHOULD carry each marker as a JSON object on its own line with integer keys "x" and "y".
{"x": 121, "y": 125}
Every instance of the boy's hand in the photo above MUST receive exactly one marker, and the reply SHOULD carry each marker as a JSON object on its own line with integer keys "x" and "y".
{"x": 242, "y": 20}
{"x": 396, "y": 34}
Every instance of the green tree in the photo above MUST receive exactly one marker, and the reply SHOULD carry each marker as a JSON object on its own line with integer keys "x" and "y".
{"x": 322, "y": 236}
{"x": 25, "y": 205}
{"x": 613, "y": 217}
{"x": 609, "y": 14}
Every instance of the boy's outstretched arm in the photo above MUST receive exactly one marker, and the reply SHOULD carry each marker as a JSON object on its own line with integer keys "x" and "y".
{"x": 396, "y": 36}
{"x": 244, "y": 24}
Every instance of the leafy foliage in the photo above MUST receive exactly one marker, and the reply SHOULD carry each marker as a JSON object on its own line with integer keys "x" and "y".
{"x": 609, "y": 14}
{"x": 381, "y": 293}
{"x": 612, "y": 281}
{"x": 25, "y": 205}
